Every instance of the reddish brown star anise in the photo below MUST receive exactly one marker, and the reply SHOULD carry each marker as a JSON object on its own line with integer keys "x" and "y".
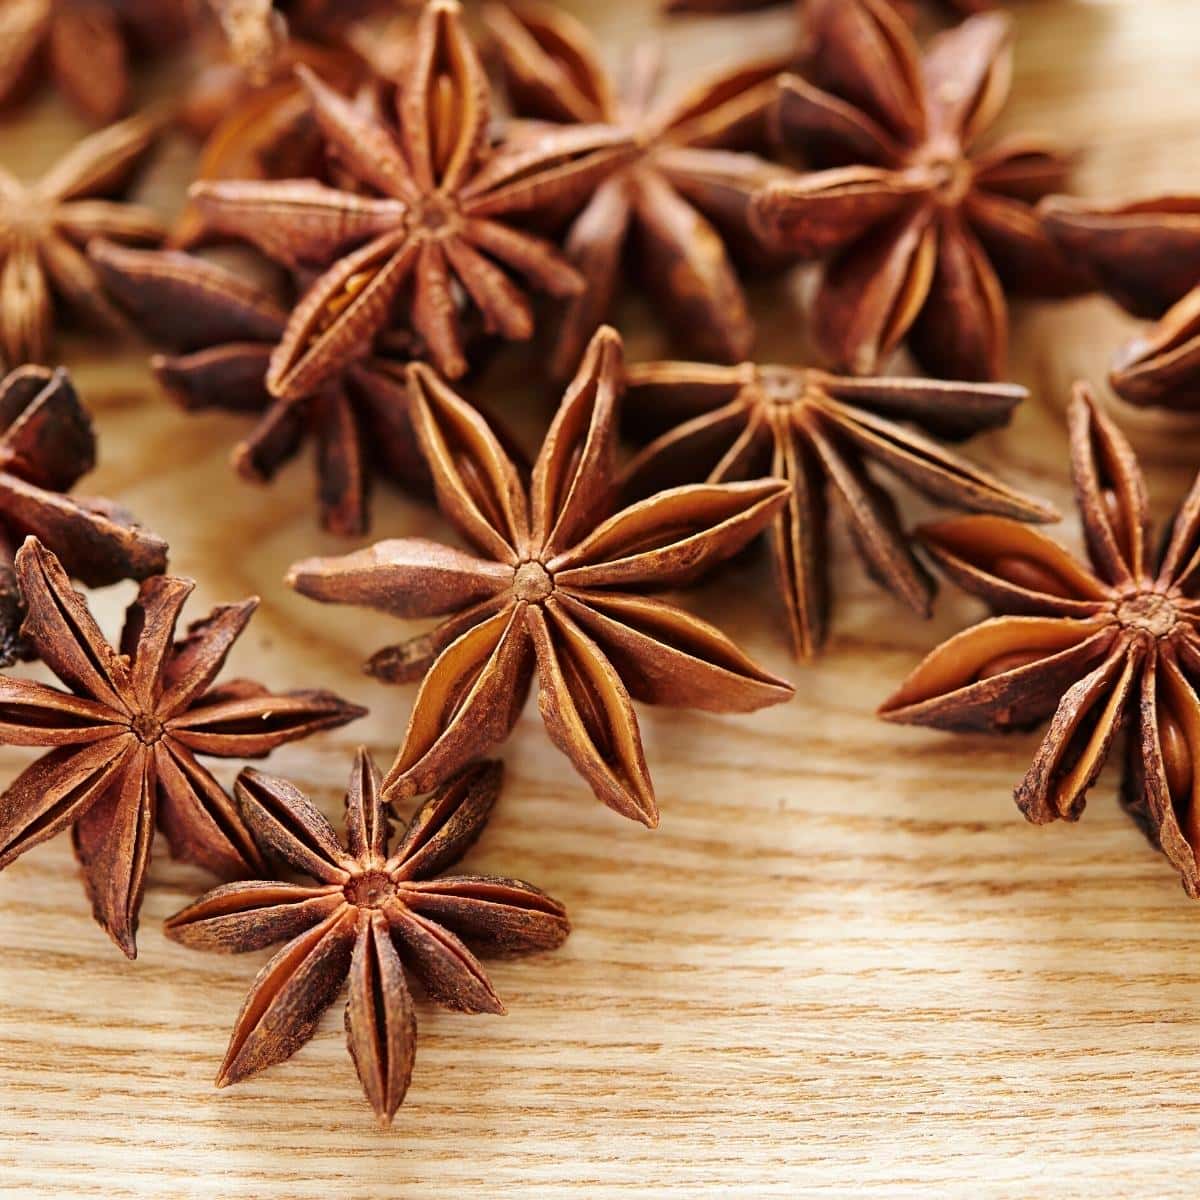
{"x": 543, "y": 593}
{"x": 921, "y": 230}
{"x": 126, "y": 734}
{"x": 1146, "y": 256}
{"x": 369, "y": 916}
{"x": 443, "y": 217}
{"x": 1098, "y": 648}
{"x": 227, "y": 329}
{"x": 819, "y": 432}
{"x": 669, "y": 207}
{"x": 46, "y": 445}
{"x": 43, "y": 224}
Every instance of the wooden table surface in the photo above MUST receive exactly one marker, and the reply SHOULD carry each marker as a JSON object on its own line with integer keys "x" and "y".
{"x": 844, "y": 965}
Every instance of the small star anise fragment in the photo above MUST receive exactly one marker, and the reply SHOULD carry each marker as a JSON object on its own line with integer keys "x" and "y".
{"x": 440, "y": 226}
{"x": 920, "y": 228}
{"x": 126, "y": 733}
{"x": 225, "y": 329}
{"x": 44, "y": 224}
{"x": 1146, "y": 256}
{"x": 673, "y": 206}
{"x": 46, "y": 445}
{"x": 1111, "y": 644}
{"x": 555, "y": 586}
{"x": 820, "y": 432}
{"x": 368, "y": 917}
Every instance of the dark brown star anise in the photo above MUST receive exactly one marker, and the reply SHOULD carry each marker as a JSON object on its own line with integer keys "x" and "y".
{"x": 367, "y": 918}
{"x": 1101, "y": 647}
{"x": 819, "y": 432}
{"x": 671, "y": 207}
{"x": 1146, "y": 256}
{"x": 126, "y": 733}
{"x": 46, "y": 445}
{"x": 440, "y": 225}
{"x": 43, "y": 224}
{"x": 920, "y": 228}
{"x": 542, "y": 593}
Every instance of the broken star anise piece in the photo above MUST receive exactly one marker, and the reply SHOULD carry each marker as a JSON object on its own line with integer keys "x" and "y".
{"x": 671, "y": 207}
{"x": 920, "y": 228}
{"x": 1146, "y": 256}
{"x": 440, "y": 223}
{"x": 541, "y": 593}
{"x": 46, "y": 445}
{"x": 1116, "y": 643}
{"x": 819, "y": 432}
{"x": 368, "y": 917}
{"x": 125, "y": 734}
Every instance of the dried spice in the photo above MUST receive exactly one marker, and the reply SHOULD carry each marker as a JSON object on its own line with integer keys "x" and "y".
{"x": 442, "y": 220}
{"x": 921, "y": 229}
{"x": 1146, "y": 256}
{"x": 819, "y": 432}
{"x": 43, "y": 224}
{"x": 541, "y": 593}
{"x": 226, "y": 329}
{"x": 367, "y": 917}
{"x": 673, "y": 207}
{"x": 126, "y": 733}
{"x": 46, "y": 445}
{"x": 1100, "y": 647}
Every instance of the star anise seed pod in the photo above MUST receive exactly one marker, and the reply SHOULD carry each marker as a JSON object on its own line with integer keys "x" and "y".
{"x": 819, "y": 432}
{"x": 1101, "y": 646}
{"x": 368, "y": 917}
{"x": 126, "y": 733}
{"x": 542, "y": 594}
{"x": 920, "y": 228}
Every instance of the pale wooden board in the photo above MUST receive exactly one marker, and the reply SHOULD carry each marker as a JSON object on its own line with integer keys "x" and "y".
{"x": 844, "y": 965}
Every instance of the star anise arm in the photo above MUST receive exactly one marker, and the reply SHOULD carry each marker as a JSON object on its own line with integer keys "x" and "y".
{"x": 968, "y": 71}
{"x": 87, "y": 54}
{"x": 197, "y": 658}
{"x": 26, "y": 308}
{"x": 232, "y": 378}
{"x": 451, "y": 975}
{"x": 33, "y": 714}
{"x": 492, "y": 912}
{"x": 410, "y": 660}
{"x": 1024, "y": 167}
{"x": 83, "y": 220}
{"x": 1161, "y": 366}
{"x": 103, "y": 161}
{"x": 24, "y": 25}
{"x": 367, "y": 825}
{"x": 1180, "y": 554}
{"x": 76, "y": 281}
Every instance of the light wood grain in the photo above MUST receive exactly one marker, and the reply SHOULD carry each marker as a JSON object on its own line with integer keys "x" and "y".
{"x": 843, "y": 965}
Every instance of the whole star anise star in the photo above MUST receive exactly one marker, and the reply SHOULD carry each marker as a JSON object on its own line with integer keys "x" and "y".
{"x": 921, "y": 230}
{"x": 543, "y": 594}
{"x": 126, "y": 733}
{"x": 819, "y": 432}
{"x": 46, "y": 445}
{"x": 442, "y": 219}
{"x": 1117, "y": 643}
{"x": 369, "y": 916}
{"x": 673, "y": 205}
{"x": 1146, "y": 256}
{"x": 227, "y": 329}
{"x": 43, "y": 224}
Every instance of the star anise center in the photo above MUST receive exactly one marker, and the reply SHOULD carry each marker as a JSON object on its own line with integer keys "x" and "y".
{"x": 370, "y": 889}
{"x": 532, "y": 582}
{"x": 24, "y": 217}
{"x": 435, "y": 216}
{"x": 950, "y": 172}
{"x": 1149, "y": 612}
{"x": 147, "y": 728}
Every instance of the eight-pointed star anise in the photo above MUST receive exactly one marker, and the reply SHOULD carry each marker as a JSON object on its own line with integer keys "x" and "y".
{"x": 819, "y": 432}
{"x": 43, "y": 224}
{"x": 1101, "y": 647}
{"x": 369, "y": 916}
{"x": 126, "y": 733}
{"x": 668, "y": 209}
{"x": 920, "y": 228}
{"x": 442, "y": 219}
{"x": 46, "y": 445}
{"x": 543, "y": 593}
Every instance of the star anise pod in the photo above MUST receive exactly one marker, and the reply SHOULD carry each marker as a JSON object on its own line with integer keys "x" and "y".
{"x": 1100, "y": 647}
{"x": 820, "y": 432}
{"x": 671, "y": 206}
{"x": 43, "y": 224}
{"x": 368, "y": 917}
{"x": 443, "y": 219}
{"x": 542, "y": 593}
{"x": 46, "y": 445}
{"x": 921, "y": 228}
{"x": 126, "y": 732}
{"x": 225, "y": 330}
{"x": 1146, "y": 256}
